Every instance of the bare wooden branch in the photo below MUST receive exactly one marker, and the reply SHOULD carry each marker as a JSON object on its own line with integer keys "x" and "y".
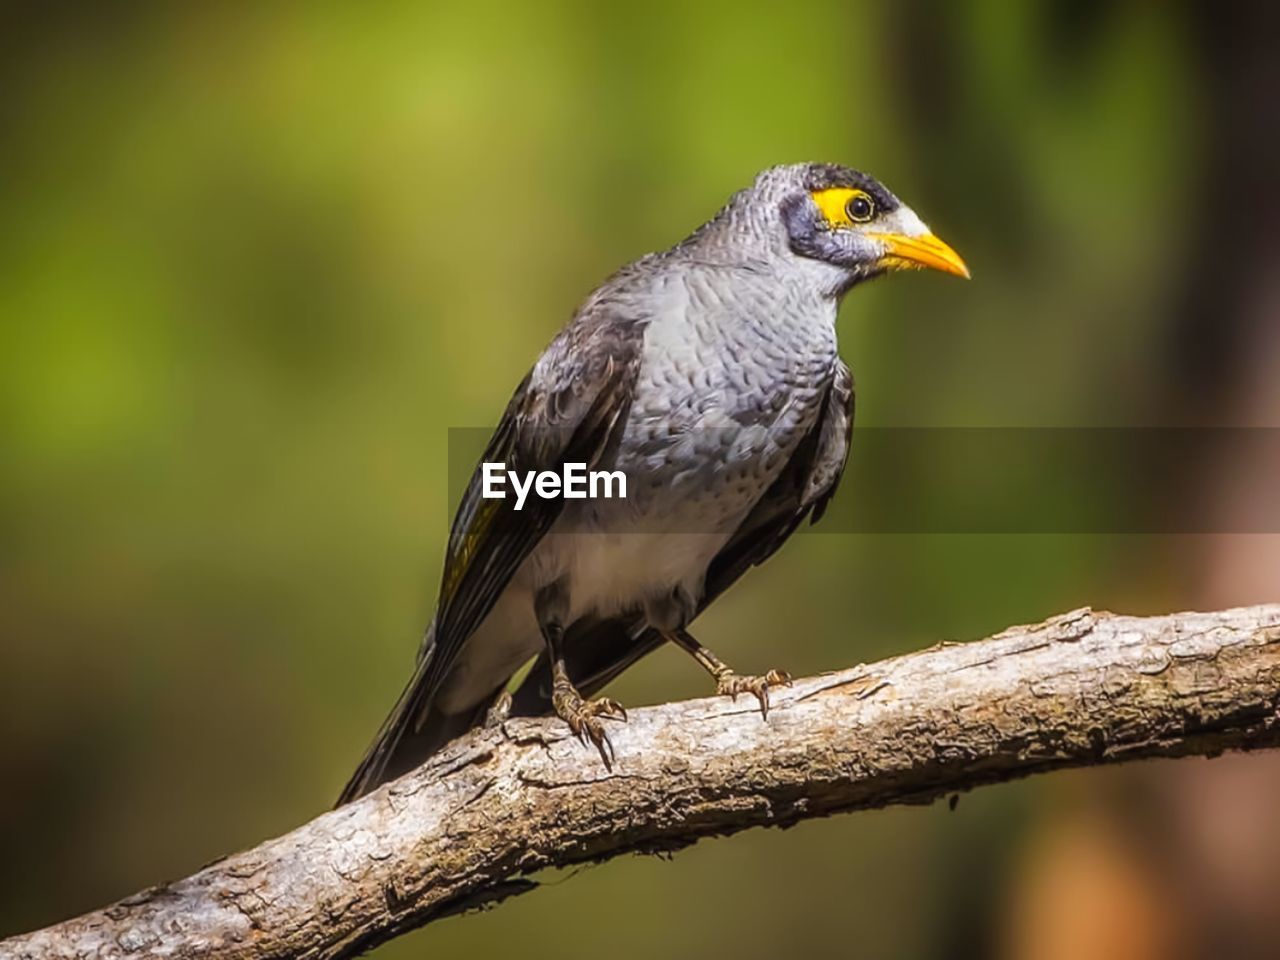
{"x": 1081, "y": 689}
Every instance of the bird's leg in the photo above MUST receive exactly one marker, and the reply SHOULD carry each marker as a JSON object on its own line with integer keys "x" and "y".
{"x": 729, "y": 683}
{"x": 582, "y": 716}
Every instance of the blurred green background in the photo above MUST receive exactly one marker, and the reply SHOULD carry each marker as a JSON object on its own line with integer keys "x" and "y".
{"x": 257, "y": 259}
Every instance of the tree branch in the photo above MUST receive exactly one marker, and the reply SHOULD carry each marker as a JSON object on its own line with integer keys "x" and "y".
{"x": 1081, "y": 689}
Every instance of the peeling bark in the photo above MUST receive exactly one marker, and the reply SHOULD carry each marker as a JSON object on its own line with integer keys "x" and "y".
{"x": 1080, "y": 689}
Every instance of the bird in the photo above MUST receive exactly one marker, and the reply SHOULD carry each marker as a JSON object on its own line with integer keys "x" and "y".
{"x": 708, "y": 375}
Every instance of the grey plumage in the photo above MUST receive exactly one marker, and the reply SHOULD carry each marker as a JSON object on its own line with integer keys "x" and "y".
{"x": 709, "y": 375}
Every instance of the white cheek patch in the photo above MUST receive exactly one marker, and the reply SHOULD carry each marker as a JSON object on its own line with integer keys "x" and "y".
{"x": 903, "y": 221}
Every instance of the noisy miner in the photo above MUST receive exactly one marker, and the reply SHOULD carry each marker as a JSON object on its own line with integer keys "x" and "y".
{"x": 708, "y": 376}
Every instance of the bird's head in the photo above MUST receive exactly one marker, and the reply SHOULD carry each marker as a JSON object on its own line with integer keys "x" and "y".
{"x": 828, "y": 214}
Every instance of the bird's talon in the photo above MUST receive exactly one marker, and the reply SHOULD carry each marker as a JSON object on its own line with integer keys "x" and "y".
{"x": 499, "y": 711}
{"x": 607, "y": 707}
{"x": 730, "y": 684}
{"x": 600, "y": 739}
{"x": 581, "y": 716}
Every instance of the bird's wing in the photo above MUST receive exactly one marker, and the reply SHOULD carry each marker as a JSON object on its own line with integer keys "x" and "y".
{"x": 571, "y": 408}
{"x": 802, "y": 490}
{"x": 597, "y": 652}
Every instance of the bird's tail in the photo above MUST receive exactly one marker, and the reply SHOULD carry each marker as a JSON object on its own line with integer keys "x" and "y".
{"x": 394, "y": 731}
{"x": 412, "y": 732}
{"x": 595, "y": 653}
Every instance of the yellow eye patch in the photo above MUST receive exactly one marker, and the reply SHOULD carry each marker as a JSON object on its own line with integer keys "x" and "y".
{"x": 834, "y": 204}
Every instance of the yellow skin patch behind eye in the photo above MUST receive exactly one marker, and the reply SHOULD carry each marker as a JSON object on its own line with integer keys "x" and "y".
{"x": 834, "y": 204}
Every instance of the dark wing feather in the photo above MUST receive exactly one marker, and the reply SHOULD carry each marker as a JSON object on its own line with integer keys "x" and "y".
{"x": 575, "y": 421}
{"x": 597, "y": 652}
{"x": 802, "y": 491}
{"x": 569, "y": 409}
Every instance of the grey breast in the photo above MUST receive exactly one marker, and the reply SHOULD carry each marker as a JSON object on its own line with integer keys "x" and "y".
{"x": 734, "y": 368}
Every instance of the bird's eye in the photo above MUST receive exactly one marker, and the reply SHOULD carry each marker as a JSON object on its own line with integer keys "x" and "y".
{"x": 860, "y": 208}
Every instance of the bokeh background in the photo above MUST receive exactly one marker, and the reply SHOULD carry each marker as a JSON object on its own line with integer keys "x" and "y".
{"x": 257, "y": 259}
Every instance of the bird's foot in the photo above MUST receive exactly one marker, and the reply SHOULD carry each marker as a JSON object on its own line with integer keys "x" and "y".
{"x": 731, "y": 684}
{"x": 498, "y": 711}
{"x": 583, "y": 718}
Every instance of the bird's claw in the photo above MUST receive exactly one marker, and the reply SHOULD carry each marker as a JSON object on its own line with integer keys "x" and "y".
{"x": 497, "y": 714}
{"x": 583, "y": 718}
{"x": 730, "y": 684}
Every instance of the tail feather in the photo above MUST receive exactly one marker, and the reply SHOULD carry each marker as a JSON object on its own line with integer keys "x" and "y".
{"x": 595, "y": 653}
{"x": 403, "y": 743}
{"x": 395, "y": 730}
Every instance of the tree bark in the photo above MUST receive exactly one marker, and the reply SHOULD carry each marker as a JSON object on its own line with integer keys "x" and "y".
{"x": 1081, "y": 689}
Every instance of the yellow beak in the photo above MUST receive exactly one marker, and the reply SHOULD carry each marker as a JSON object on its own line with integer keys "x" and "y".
{"x": 905, "y": 253}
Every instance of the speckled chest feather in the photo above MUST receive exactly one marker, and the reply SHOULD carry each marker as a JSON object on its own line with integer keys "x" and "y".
{"x": 733, "y": 374}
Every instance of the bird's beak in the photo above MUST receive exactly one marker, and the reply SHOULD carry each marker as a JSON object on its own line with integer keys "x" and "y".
{"x": 903, "y": 252}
